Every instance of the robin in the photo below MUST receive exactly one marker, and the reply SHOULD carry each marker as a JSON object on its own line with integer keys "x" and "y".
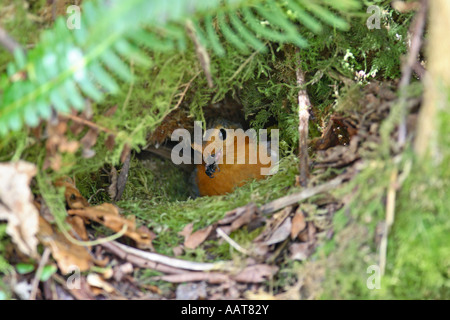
{"x": 230, "y": 158}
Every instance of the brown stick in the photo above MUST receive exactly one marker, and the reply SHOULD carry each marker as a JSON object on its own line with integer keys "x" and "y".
{"x": 201, "y": 52}
{"x": 123, "y": 177}
{"x": 390, "y": 213}
{"x": 38, "y": 274}
{"x": 416, "y": 31}
{"x": 183, "y": 94}
{"x": 302, "y": 195}
{"x": 88, "y": 123}
{"x": 7, "y": 42}
{"x": 160, "y": 262}
{"x": 303, "y": 119}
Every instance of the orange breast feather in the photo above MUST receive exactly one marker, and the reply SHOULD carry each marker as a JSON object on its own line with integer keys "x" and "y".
{"x": 229, "y": 174}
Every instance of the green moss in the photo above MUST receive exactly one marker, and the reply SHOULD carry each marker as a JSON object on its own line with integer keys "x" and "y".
{"x": 418, "y": 260}
{"x": 166, "y": 219}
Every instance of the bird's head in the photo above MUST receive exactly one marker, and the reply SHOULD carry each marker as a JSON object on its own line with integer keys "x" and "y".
{"x": 216, "y": 143}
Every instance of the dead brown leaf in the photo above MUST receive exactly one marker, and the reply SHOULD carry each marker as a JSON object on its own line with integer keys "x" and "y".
{"x": 56, "y": 143}
{"x": 311, "y": 231}
{"x": 259, "y": 249}
{"x": 88, "y": 141}
{"x": 67, "y": 254}
{"x": 298, "y": 223}
{"x": 122, "y": 270}
{"x": 108, "y": 215}
{"x": 281, "y": 233}
{"x": 78, "y": 227}
{"x": 94, "y": 280}
{"x": 277, "y": 228}
{"x": 239, "y": 217}
{"x": 233, "y": 220}
{"x": 69, "y": 146}
{"x": 178, "y": 251}
{"x": 303, "y": 235}
{"x": 73, "y": 197}
{"x": 110, "y": 142}
{"x": 234, "y": 214}
{"x": 195, "y": 239}
{"x": 112, "y": 189}
{"x": 187, "y": 230}
{"x": 111, "y": 111}
{"x": 125, "y": 152}
{"x": 16, "y": 205}
{"x": 144, "y": 231}
{"x": 339, "y": 155}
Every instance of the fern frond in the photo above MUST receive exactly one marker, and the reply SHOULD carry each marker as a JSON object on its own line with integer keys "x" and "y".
{"x": 68, "y": 66}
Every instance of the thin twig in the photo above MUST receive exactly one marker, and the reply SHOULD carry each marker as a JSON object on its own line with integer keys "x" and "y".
{"x": 303, "y": 122}
{"x": 390, "y": 212}
{"x": 123, "y": 177}
{"x": 183, "y": 94}
{"x": 38, "y": 274}
{"x": 8, "y": 42}
{"x": 302, "y": 195}
{"x": 242, "y": 66}
{"x": 130, "y": 89}
{"x": 160, "y": 259}
{"x": 231, "y": 242}
{"x": 202, "y": 53}
{"x": 95, "y": 193}
{"x": 77, "y": 293}
{"x": 88, "y": 123}
{"x": 294, "y": 198}
{"x": 93, "y": 242}
{"x": 211, "y": 277}
{"x": 416, "y": 31}
{"x": 419, "y": 70}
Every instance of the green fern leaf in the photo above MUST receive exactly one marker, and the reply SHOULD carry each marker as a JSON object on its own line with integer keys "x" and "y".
{"x": 66, "y": 66}
{"x": 246, "y": 34}
{"x": 212, "y": 37}
{"x": 230, "y": 35}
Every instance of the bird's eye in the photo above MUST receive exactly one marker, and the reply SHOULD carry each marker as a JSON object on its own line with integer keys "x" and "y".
{"x": 223, "y": 134}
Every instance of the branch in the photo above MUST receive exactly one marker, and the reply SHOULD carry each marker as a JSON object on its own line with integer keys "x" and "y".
{"x": 87, "y": 123}
{"x": 159, "y": 262}
{"x": 8, "y": 42}
{"x": 302, "y": 195}
{"x": 38, "y": 273}
{"x": 416, "y": 31}
{"x": 303, "y": 119}
{"x": 201, "y": 52}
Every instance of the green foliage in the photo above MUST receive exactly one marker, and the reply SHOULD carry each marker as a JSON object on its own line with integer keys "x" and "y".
{"x": 5, "y": 267}
{"x": 418, "y": 252}
{"x": 6, "y": 270}
{"x": 67, "y": 66}
{"x": 47, "y": 272}
{"x": 23, "y": 268}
